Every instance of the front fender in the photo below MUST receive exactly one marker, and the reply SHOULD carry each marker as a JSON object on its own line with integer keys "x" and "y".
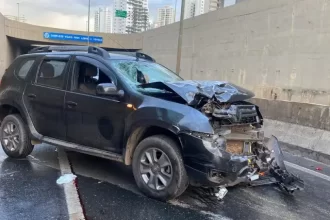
{"x": 14, "y": 104}
{"x": 151, "y": 116}
{"x": 175, "y": 120}
{"x": 170, "y": 116}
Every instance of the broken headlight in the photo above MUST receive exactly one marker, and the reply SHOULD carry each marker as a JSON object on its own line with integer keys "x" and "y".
{"x": 210, "y": 140}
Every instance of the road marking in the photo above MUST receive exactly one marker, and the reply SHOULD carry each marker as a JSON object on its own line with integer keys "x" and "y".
{"x": 71, "y": 194}
{"x": 306, "y": 170}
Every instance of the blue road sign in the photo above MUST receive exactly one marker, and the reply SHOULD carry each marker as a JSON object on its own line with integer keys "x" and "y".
{"x": 72, "y": 37}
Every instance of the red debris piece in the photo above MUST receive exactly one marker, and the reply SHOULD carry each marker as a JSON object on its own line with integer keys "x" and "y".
{"x": 319, "y": 168}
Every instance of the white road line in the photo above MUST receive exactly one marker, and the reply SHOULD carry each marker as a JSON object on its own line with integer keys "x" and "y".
{"x": 71, "y": 194}
{"x": 312, "y": 172}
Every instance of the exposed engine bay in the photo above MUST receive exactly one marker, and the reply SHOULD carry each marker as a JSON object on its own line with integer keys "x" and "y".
{"x": 237, "y": 126}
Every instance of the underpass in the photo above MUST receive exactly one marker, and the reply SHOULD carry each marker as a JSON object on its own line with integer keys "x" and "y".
{"x": 265, "y": 48}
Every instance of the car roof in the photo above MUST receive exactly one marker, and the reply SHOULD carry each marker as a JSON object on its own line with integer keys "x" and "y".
{"x": 113, "y": 56}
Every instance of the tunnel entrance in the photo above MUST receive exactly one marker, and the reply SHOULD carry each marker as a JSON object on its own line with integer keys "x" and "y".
{"x": 19, "y": 46}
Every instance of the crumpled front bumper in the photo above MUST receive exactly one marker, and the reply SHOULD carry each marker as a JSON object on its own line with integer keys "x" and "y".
{"x": 208, "y": 165}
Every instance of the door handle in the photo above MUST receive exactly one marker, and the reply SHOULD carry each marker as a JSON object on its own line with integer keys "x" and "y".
{"x": 71, "y": 104}
{"x": 32, "y": 96}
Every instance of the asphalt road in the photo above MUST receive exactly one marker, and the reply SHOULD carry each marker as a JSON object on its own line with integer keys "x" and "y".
{"x": 28, "y": 190}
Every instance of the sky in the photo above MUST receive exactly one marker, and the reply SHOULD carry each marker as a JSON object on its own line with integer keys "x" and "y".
{"x": 70, "y": 14}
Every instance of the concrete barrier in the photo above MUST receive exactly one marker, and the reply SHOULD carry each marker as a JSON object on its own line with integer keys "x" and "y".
{"x": 302, "y": 128}
{"x": 4, "y": 62}
{"x": 305, "y": 114}
{"x": 300, "y": 140}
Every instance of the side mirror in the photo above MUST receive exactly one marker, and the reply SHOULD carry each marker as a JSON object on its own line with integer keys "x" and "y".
{"x": 108, "y": 89}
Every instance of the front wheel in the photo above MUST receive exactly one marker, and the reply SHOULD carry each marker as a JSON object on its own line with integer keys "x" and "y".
{"x": 15, "y": 139}
{"x": 158, "y": 168}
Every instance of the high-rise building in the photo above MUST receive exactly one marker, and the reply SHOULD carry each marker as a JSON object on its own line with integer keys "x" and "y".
{"x": 119, "y": 24}
{"x": 212, "y": 5}
{"x": 137, "y": 19}
{"x": 197, "y": 7}
{"x": 103, "y": 20}
{"x": 97, "y": 20}
{"x": 189, "y": 9}
{"x": 165, "y": 16}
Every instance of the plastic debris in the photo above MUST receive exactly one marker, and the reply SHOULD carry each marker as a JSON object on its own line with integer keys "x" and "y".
{"x": 221, "y": 194}
{"x": 319, "y": 168}
{"x": 66, "y": 178}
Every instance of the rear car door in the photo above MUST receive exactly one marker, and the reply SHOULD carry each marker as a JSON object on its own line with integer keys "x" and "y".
{"x": 93, "y": 120}
{"x": 44, "y": 96}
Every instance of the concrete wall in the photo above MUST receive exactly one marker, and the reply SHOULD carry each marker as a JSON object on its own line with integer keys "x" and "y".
{"x": 3, "y": 46}
{"x": 279, "y": 49}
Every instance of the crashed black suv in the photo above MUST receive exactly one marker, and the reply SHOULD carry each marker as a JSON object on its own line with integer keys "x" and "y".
{"x": 124, "y": 106}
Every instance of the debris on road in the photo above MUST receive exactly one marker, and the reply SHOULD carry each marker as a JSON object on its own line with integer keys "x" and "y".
{"x": 275, "y": 171}
{"x": 66, "y": 178}
{"x": 221, "y": 193}
{"x": 319, "y": 168}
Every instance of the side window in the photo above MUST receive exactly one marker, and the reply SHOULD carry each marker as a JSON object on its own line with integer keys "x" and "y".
{"x": 24, "y": 68}
{"x": 87, "y": 77}
{"x": 51, "y": 73}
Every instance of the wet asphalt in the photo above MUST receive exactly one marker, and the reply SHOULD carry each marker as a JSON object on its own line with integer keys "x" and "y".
{"x": 28, "y": 190}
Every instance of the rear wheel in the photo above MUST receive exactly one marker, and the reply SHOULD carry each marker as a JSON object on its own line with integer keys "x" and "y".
{"x": 15, "y": 139}
{"x": 158, "y": 168}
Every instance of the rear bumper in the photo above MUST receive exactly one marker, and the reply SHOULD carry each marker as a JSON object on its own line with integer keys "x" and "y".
{"x": 209, "y": 165}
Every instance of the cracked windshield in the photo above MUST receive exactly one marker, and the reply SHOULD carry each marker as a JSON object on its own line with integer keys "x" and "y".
{"x": 144, "y": 72}
{"x": 164, "y": 109}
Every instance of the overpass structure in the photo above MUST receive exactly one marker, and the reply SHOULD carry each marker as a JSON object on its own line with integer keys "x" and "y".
{"x": 278, "y": 49}
{"x": 17, "y": 37}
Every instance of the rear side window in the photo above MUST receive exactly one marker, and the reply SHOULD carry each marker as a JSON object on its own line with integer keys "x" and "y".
{"x": 51, "y": 73}
{"x": 24, "y": 68}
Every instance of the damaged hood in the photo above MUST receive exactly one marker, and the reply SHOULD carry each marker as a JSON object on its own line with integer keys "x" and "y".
{"x": 223, "y": 91}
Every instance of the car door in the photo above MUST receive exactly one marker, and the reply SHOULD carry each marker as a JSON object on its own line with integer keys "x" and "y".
{"x": 93, "y": 120}
{"x": 44, "y": 96}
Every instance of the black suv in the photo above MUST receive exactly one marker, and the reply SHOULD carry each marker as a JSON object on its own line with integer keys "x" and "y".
{"x": 124, "y": 106}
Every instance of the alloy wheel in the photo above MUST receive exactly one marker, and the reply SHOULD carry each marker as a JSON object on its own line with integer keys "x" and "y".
{"x": 156, "y": 169}
{"x": 10, "y": 136}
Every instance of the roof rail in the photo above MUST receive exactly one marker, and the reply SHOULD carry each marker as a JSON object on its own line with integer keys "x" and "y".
{"x": 144, "y": 56}
{"x": 122, "y": 50}
{"x": 133, "y": 53}
{"x": 89, "y": 49}
{"x": 40, "y": 49}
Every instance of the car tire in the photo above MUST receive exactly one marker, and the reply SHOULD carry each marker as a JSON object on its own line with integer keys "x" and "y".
{"x": 167, "y": 148}
{"x": 15, "y": 139}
